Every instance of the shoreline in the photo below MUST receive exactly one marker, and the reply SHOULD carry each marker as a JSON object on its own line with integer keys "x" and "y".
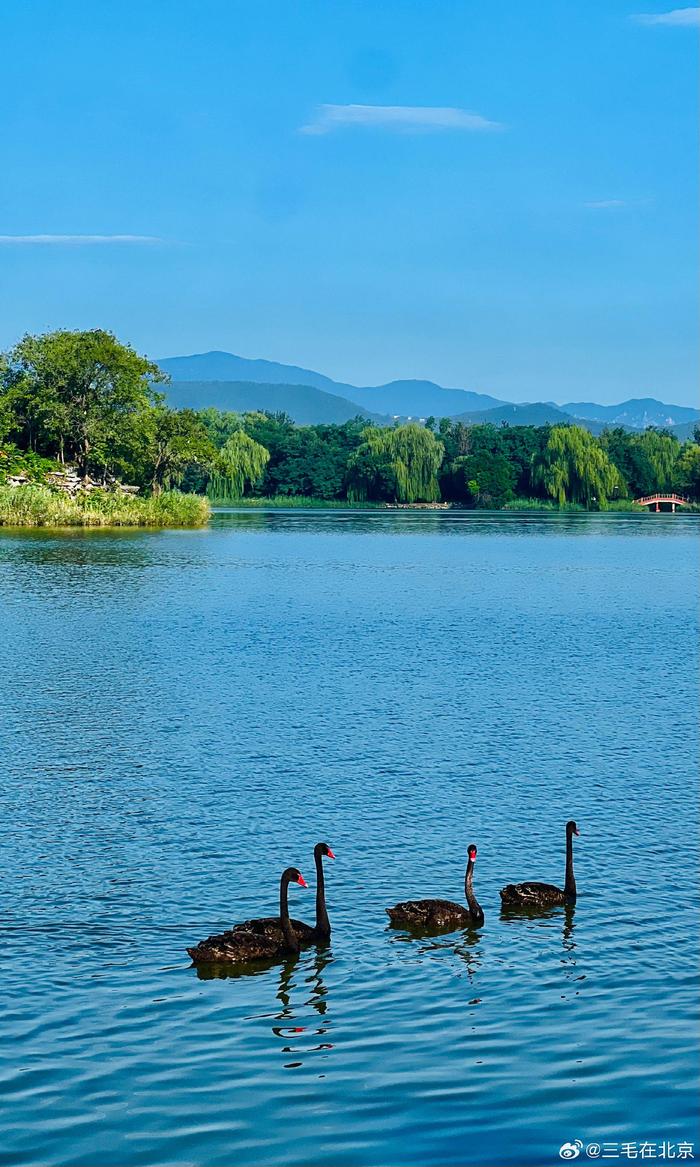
{"x": 35, "y": 507}
{"x": 23, "y": 507}
{"x": 517, "y": 506}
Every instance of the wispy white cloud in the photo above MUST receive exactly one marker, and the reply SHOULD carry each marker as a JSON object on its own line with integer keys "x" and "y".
{"x": 614, "y": 204}
{"x": 77, "y": 240}
{"x": 606, "y": 204}
{"x": 677, "y": 16}
{"x": 403, "y": 118}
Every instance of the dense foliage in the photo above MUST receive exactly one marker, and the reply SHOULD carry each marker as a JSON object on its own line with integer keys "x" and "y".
{"x": 87, "y": 399}
{"x": 38, "y": 506}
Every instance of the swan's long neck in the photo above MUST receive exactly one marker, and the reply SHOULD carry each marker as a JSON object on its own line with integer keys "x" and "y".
{"x": 570, "y": 882}
{"x": 288, "y": 932}
{"x": 323, "y": 924}
{"x": 474, "y": 905}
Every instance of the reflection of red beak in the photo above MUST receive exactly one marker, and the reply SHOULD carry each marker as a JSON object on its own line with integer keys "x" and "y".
{"x": 330, "y": 854}
{"x": 302, "y": 882}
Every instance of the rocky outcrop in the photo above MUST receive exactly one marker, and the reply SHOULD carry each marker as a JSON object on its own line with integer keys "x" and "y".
{"x": 69, "y": 481}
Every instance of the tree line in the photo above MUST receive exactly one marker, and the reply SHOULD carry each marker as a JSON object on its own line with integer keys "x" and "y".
{"x": 85, "y": 399}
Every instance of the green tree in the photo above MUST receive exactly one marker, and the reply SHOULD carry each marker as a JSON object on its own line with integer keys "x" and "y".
{"x": 484, "y": 480}
{"x": 402, "y": 462}
{"x": 646, "y": 461}
{"x": 220, "y": 425}
{"x": 72, "y": 394}
{"x": 241, "y": 463}
{"x": 656, "y": 458}
{"x": 573, "y": 467}
{"x": 687, "y": 471}
{"x": 175, "y": 440}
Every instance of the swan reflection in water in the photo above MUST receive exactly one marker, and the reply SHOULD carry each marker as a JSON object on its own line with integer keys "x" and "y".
{"x": 545, "y": 919}
{"x": 439, "y": 943}
{"x": 285, "y": 1029}
{"x": 298, "y": 977}
{"x": 568, "y": 960}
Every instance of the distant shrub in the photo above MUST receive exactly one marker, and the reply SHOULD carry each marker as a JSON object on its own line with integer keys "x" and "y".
{"x": 16, "y": 463}
{"x": 295, "y": 501}
{"x": 39, "y": 506}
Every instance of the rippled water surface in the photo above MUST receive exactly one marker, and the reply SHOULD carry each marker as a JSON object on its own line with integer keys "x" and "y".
{"x": 185, "y": 713}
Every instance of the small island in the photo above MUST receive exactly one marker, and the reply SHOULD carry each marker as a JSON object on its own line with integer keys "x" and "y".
{"x": 87, "y": 438}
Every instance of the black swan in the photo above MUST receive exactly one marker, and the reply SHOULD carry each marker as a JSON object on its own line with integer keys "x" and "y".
{"x": 545, "y": 895}
{"x": 320, "y": 932}
{"x": 434, "y": 914}
{"x": 250, "y": 940}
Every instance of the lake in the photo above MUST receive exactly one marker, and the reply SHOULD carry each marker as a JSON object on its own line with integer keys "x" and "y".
{"x": 185, "y": 713}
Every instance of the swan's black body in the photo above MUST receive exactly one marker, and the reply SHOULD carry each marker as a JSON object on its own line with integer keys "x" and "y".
{"x": 320, "y": 932}
{"x": 253, "y": 940}
{"x": 545, "y": 895}
{"x": 429, "y": 915}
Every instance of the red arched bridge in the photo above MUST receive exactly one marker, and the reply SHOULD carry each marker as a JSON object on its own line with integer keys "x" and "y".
{"x": 655, "y": 501}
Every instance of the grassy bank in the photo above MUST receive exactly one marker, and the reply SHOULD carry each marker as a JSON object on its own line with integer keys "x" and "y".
{"x": 292, "y": 501}
{"x": 539, "y": 504}
{"x": 38, "y": 506}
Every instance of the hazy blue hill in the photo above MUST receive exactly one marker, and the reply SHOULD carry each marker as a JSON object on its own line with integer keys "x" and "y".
{"x": 397, "y": 398}
{"x": 529, "y": 413}
{"x": 638, "y": 413}
{"x": 305, "y": 404}
{"x": 420, "y": 399}
{"x": 228, "y": 381}
{"x": 685, "y": 431}
{"x": 220, "y": 366}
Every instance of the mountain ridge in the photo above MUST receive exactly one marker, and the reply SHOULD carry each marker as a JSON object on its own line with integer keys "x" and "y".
{"x": 402, "y": 398}
{"x": 305, "y": 404}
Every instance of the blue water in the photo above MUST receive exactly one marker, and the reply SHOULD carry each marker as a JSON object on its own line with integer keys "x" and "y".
{"x": 185, "y": 713}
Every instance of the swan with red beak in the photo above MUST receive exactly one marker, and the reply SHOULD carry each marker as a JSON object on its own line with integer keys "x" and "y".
{"x": 538, "y": 896}
{"x": 254, "y": 940}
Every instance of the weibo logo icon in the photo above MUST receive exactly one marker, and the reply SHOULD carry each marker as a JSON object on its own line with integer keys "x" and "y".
{"x": 571, "y": 1150}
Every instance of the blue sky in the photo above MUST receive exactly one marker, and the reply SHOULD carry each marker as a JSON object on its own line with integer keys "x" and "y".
{"x": 498, "y": 196}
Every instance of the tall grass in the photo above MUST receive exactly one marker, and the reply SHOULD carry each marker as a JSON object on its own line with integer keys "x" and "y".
{"x": 292, "y": 501}
{"x": 546, "y": 504}
{"x": 38, "y": 506}
{"x": 540, "y": 504}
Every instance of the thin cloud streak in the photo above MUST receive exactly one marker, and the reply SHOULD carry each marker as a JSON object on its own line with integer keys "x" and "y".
{"x": 615, "y": 204}
{"x": 680, "y": 17}
{"x": 605, "y": 204}
{"x": 401, "y": 118}
{"x": 76, "y": 240}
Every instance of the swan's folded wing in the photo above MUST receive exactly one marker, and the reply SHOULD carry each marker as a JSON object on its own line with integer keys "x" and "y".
{"x": 234, "y": 946}
{"x": 532, "y": 894}
{"x": 271, "y": 928}
{"x": 431, "y": 913}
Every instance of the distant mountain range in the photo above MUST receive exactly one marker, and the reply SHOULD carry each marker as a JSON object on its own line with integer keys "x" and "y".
{"x": 637, "y": 413}
{"x": 227, "y": 381}
{"x": 304, "y": 403}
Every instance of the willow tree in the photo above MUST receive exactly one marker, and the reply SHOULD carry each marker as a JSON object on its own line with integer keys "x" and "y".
{"x": 687, "y": 471}
{"x": 659, "y": 451}
{"x": 400, "y": 463}
{"x": 241, "y": 463}
{"x": 573, "y": 467}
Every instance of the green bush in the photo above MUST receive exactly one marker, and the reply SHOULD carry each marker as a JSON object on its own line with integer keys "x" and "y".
{"x": 39, "y": 506}
{"x": 14, "y": 461}
{"x": 296, "y": 501}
